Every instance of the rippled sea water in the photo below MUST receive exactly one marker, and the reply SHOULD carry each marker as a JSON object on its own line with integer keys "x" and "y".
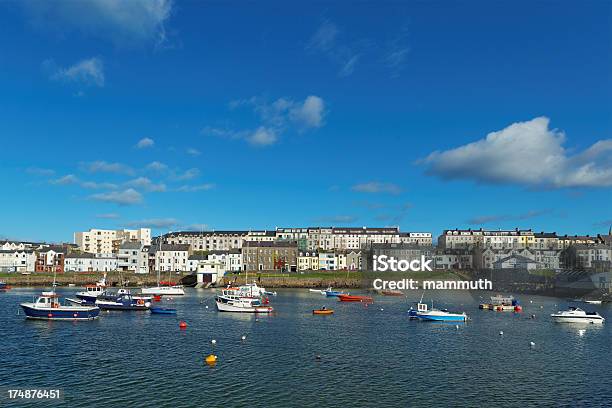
{"x": 369, "y": 356}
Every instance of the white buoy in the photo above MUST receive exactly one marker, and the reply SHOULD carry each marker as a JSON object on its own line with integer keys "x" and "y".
{"x": 381, "y": 309}
{"x": 531, "y": 301}
{"x": 532, "y": 344}
{"x": 501, "y": 332}
{"x": 243, "y": 337}
{"x": 457, "y": 326}
{"x": 213, "y": 341}
{"x": 581, "y": 332}
{"x": 206, "y": 307}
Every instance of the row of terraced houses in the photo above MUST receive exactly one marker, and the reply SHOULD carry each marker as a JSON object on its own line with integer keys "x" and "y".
{"x": 300, "y": 249}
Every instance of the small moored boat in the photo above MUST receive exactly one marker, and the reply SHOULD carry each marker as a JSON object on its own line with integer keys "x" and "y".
{"x": 438, "y": 315}
{"x": 329, "y": 292}
{"x": 48, "y": 307}
{"x": 162, "y": 310}
{"x": 323, "y": 311}
{"x": 121, "y": 302}
{"x": 352, "y": 298}
{"x": 4, "y": 286}
{"x": 577, "y": 315}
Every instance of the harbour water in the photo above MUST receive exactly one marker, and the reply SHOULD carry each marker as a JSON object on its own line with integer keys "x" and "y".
{"x": 360, "y": 356}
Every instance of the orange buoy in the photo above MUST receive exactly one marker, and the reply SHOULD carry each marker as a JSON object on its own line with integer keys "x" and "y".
{"x": 183, "y": 325}
{"x": 211, "y": 359}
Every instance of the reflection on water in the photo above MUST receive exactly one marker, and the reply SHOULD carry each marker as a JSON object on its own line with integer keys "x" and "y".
{"x": 359, "y": 356}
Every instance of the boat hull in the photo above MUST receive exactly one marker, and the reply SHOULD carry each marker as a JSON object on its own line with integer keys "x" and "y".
{"x": 227, "y": 307}
{"x": 349, "y": 298}
{"x": 576, "y": 319}
{"x": 440, "y": 318}
{"x": 322, "y": 312}
{"x": 162, "y": 310}
{"x": 60, "y": 313}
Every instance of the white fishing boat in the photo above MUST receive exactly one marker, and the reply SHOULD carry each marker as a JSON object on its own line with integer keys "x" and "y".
{"x": 502, "y": 300}
{"x": 232, "y": 300}
{"x": 593, "y": 302}
{"x": 91, "y": 292}
{"x": 318, "y": 291}
{"x": 577, "y": 315}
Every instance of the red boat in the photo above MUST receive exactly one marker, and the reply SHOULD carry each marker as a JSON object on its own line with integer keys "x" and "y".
{"x": 351, "y": 298}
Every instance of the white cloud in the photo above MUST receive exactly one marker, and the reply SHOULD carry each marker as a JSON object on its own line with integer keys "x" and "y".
{"x": 193, "y": 152}
{"x": 310, "y": 113}
{"x": 199, "y": 187}
{"x": 145, "y": 142}
{"x": 326, "y": 40}
{"x": 154, "y": 223}
{"x": 146, "y": 184}
{"x": 126, "y": 197}
{"x": 124, "y": 22}
{"x": 276, "y": 118}
{"x": 263, "y": 137}
{"x": 374, "y": 187}
{"x": 188, "y": 174}
{"x": 98, "y": 186}
{"x": 67, "y": 179}
{"x": 101, "y": 166}
{"x": 85, "y": 72}
{"x": 157, "y": 166}
{"x": 525, "y": 153}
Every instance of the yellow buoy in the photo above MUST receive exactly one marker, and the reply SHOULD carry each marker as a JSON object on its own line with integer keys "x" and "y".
{"x": 211, "y": 359}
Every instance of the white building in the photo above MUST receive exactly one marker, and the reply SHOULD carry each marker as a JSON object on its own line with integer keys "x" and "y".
{"x": 173, "y": 258}
{"x": 416, "y": 238}
{"x": 100, "y": 241}
{"x": 132, "y": 257}
{"x": 86, "y": 262}
{"x": 328, "y": 261}
{"x": 230, "y": 259}
{"x": 308, "y": 261}
{"x": 17, "y": 260}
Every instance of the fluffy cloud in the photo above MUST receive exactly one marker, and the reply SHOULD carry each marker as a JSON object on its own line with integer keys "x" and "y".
{"x": 146, "y": 184}
{"x": 123, "y": 22}
{"x": 193, "y": 152}
{"x": 125, "y": 197}
{"x": 101, "y": 166}
{"x": 199, "y": 187}
{"x": 374, "y": 187}
{"x": 309, "y": 113}
{"x": 187, "y": 174}
{"x": 525, "y": 153}
{"x": 145, "y": 142}
{"x": 157, "y": 166}
{"x": 276, "y": 118}
{"x": 64, "y": 180}
{"x": 263, "y": 137}
{"x": 85, "y": 72}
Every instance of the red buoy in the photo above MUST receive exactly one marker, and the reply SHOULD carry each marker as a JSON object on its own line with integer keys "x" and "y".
{"x": 518, "y": 308}
{"x": 183, "y": 325}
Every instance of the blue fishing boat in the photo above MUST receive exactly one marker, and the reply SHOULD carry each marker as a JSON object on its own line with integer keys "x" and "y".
{"x": 123, "y": 301}
{"x": 333, "y": 293}
{"x": 437, "y": 315}
{"x": 162, "y": 310}
{"x": 48, "y": 307}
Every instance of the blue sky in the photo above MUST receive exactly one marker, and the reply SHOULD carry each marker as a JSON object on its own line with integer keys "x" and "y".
{"x": 427, "y": 115}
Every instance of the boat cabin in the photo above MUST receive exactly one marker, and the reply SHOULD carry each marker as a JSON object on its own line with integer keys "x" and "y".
{"x": 48, "y": 301}
{"x": 422, "y": 307}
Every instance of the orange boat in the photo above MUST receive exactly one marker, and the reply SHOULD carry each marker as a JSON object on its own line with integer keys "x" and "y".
{"x": 322, "y": 312}
{"x": 351, "y": 298}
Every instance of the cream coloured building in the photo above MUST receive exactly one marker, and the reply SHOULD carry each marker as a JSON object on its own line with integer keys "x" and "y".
{"x": 100, "y": 241}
